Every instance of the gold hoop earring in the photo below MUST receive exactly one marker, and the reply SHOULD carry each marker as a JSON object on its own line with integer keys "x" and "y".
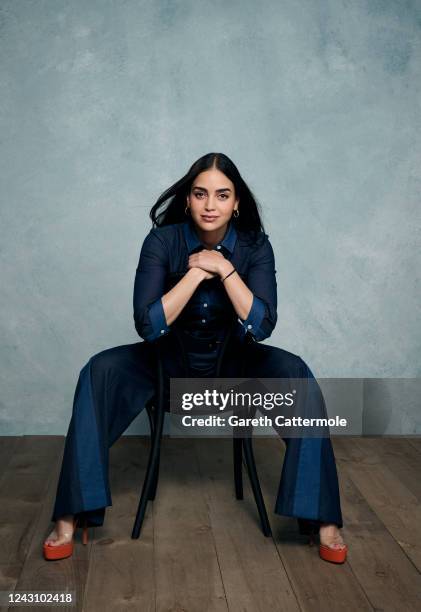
{"x": 236, "y": 211}
{"x": 186, "y": 209}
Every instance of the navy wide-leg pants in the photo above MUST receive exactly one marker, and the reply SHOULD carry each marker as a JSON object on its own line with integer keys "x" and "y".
{"x": 116, "y": 384}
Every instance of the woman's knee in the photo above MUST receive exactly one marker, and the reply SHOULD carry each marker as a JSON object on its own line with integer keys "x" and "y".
{"x": 283, "y": 364}
{"x": 131, "y": 359}
{"x": 109, "y": 359}
{"x": 104, "y": 360}
{"x": 294, "y": 365}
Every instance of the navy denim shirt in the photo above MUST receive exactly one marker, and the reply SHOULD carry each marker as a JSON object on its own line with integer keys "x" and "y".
{"x": 163, "y": 262}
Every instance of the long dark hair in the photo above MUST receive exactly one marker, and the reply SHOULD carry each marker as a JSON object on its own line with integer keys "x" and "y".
{"x": 248, "y": 221}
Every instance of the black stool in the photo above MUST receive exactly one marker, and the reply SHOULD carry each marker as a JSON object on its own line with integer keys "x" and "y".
{"x": 156, "y": 414}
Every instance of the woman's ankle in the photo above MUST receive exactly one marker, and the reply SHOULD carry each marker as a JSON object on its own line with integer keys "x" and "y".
{"x": 66, "y": 517}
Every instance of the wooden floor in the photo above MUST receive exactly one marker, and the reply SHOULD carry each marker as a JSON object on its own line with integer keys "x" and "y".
{"x": 200, "y": 548}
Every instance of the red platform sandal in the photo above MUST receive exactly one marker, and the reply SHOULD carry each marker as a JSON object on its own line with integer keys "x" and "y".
{"x": 62, "y": 551}
{"x": 311, "y": 529}
{"x": 334, "y": 555}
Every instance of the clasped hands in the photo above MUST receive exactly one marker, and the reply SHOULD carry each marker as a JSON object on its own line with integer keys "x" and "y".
{"x": 212, "y": 262}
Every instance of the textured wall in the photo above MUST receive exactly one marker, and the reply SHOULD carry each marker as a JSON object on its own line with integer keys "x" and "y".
{"x": 105, "y": 104}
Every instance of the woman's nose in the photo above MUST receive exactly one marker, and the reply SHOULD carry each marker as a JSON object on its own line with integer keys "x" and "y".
{"x": 209, "y": 205}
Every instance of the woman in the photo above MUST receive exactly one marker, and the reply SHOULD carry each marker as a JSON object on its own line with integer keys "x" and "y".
{"x": 206, "y": 262}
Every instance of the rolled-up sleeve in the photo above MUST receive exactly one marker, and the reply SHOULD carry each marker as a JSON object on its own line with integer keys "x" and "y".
{"x": 149, "y": 287}
{"x": 261, "y": 280}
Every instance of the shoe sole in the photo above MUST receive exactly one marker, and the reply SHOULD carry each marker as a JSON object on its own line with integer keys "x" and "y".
{"x": 61, "y": 551}
{"x": 333, "y": 556}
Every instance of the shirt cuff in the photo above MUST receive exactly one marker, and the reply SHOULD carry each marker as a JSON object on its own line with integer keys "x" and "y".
{"x": 158, "y": 321}
{"x": 255, "y": 317}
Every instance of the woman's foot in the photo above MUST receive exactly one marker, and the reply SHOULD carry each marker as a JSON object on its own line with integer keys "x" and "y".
{"x": 62, "y": 532}
{"x": 329, "y": 536}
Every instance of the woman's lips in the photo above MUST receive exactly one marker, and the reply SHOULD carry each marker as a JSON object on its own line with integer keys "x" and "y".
{"x": 208, "y": 217}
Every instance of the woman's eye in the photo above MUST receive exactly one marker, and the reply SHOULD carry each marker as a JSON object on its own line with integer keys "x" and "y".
{"x": 198, "y": 194}
{"x": 224, "y": 196}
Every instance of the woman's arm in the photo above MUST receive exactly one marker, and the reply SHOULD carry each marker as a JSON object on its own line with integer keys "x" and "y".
{"x": 261, "y": 280}
{"x": 153, "y": 312}
{"x": 174, "y": 300}
{"x": 238, "y": 292}
{"x": 254, "y": 302}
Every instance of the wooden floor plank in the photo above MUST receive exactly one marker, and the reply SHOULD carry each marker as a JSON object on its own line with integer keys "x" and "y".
{"x": 317, "y": 584}
{"x": 121, "y": 575}
{"x": 401, "y": 458}
{"x": 415, "y": 442}
{"x": 37, "y": 574}
{"x": 22, "y": 492}
{"x": 9, "y": 571}
{"x": 201, "y": 549}
{"x": 186, "y": 565}
{"x": 395, "y": 505}
{"x": 9, "y": 446}
{"x": 381, "y": 566}
{"x": 253, "y": 574}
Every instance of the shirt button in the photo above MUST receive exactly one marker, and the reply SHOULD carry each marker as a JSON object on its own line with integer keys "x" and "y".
{"x": 162, "y": 331}
{"x": 249, "y": 326}
{"x": 218, "y": 247}
{"x": 203, "y": 320}
{"x": 205, "y": 305}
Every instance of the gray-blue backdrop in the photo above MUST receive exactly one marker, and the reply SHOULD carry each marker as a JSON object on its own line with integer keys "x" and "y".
{"x": 105, "y": 104}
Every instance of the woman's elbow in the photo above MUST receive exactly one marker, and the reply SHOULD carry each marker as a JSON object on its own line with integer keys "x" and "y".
{"x": 149, "y": 329}
{"x": 141, "y": 329}
{"x": 265, "y": 328}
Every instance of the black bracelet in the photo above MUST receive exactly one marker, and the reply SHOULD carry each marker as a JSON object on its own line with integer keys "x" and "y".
{"x": 232, "y": 272}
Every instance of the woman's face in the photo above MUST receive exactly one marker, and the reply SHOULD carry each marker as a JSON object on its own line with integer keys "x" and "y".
{"x": 212, "y": 200}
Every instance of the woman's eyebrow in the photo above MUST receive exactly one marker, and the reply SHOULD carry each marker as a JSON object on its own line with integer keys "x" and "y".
{"x": 218, "y": 190}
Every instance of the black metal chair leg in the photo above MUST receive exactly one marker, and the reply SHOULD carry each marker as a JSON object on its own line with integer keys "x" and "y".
{"x": 238, "y": 468}
{"x": 254, "y": 481}
{"x": 154, "y": 485}
{"x": 150, "y": 417}
{"x": 153, "y": 461}
{"x": 150, "y": 475}
{"x": 152, "y": 493}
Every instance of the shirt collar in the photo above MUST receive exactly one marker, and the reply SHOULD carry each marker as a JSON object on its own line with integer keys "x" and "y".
{"x": 193, "y": 241}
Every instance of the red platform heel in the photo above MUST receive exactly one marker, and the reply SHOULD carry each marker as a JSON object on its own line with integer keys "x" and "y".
{"x": 334, "y": 555}
{"x": 311, "y": 529}
{"x": 62, "y": 551}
